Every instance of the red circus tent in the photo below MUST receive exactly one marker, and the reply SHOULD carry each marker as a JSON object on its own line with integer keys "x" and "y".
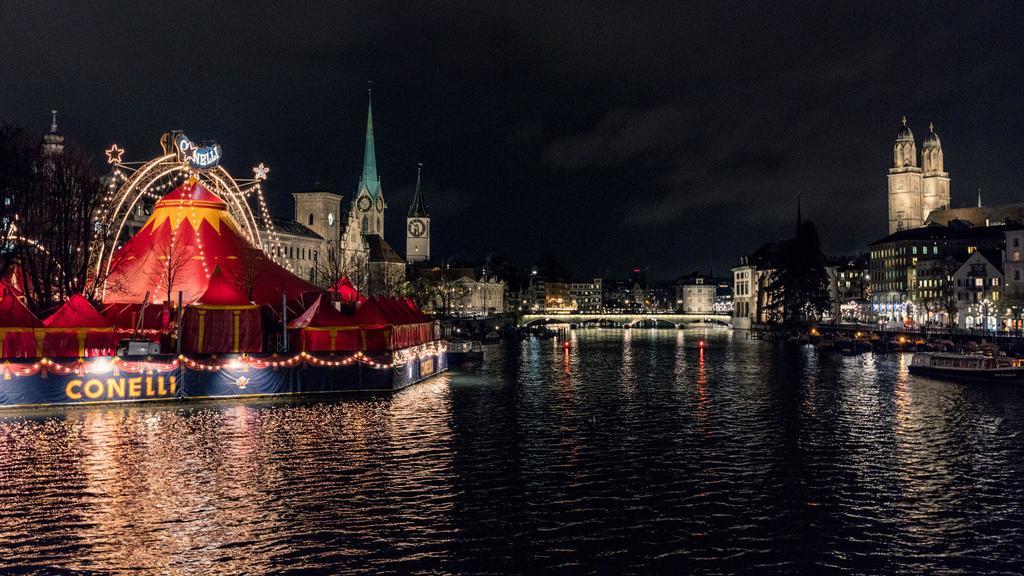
{"x": 78, "y": 329}
{"x": 188, "y": 235}
{"x": 18, "y": 328}
{"x": 321, "y": 328}
{"x": 222, "y": 321}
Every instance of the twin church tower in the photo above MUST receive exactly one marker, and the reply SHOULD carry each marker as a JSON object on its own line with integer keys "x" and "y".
{"x": 916, "y": 190}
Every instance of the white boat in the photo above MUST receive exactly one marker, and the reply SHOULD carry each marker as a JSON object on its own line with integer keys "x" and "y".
{"x": 968, "y": 367}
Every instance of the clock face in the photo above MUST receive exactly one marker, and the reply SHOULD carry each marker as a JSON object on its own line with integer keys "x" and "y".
{"x": 417, "y": 228}
{"x": 364, "y": 203}
{"x": 330, "y": 218}
{"x": 380, "y": 204}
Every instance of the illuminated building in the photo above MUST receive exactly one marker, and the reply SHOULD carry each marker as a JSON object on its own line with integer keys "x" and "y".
{"x": 588, "y": 296}
{"x": 979, "y": 287}
{"x": 750, "y": 287}
{"x": 916, "y": 191}
{"x": 695, "y": 294}
{"x": 934, "y": 252}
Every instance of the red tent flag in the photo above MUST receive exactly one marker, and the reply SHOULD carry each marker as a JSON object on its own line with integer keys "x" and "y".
{"x": 223, "y": 320}
{"x": 78, "y": 329}
{"x": 18, "y": 329}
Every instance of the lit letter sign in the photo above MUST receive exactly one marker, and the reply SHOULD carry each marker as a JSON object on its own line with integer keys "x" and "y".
{"x": 199, "y": 157}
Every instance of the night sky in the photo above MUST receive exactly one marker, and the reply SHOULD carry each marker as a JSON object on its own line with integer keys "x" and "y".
{"x": 610, "y": 135}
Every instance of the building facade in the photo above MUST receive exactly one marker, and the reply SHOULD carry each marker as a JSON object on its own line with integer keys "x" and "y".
{"x": 979, "y": 288}
{"x": 750, "y": 297}
{"x": 695, "y": 294}
{"x": 1013, "y": 264}
{"x": 934, "y": 251}
{"x": 587, "y": 296}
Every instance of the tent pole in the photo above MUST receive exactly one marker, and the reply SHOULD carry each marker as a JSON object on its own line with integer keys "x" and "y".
{"x": 180, "y": 320}
{"x": 284, "y": 321}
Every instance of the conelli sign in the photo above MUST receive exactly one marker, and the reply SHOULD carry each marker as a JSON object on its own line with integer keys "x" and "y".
{"x": 198, "y": 157}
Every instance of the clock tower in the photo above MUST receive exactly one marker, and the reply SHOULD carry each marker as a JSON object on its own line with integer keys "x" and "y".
{"x": 417, "y": 226}
{"x": 368, "y": 203}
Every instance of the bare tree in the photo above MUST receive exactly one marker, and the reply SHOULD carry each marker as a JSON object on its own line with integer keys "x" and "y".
{"x": 356, "y": 268}
{"x": 330, "y": 264}
{"x": 49, "y": 218}
{"x": 252, "y": 264}
{"x": 173, "y": 258}
{"x": 439, "y": 292}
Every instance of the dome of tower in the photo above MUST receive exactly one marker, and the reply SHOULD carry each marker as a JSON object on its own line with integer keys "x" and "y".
{"x": 904, "y": 132}
{"x": 932, "y": 139}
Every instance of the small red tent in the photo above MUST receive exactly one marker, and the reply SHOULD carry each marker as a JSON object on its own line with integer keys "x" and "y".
{"x": 324, "y": 329}
{"x": 18, "y": 328}
{"x": 222, "y": 321}
{"x": 78, "y": 329}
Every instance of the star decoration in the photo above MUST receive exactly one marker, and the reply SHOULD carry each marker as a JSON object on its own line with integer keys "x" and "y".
{"x": 261, "y": 171}
{"x": 114, "y": 154}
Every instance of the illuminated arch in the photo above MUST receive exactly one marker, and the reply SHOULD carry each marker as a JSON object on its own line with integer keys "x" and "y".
{"x": 159, "y": 176}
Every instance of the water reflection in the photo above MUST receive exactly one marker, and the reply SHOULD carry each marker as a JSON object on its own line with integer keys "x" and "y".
{"x": 626, "y": 451}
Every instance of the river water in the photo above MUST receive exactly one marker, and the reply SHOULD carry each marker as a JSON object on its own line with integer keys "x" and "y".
{"x": 632, "y": 451}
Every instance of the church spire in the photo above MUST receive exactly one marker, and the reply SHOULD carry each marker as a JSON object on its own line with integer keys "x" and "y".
{"x": 418, "y": 209}
{"x": 53, "y": 141}
{"x": 369, "y": 177}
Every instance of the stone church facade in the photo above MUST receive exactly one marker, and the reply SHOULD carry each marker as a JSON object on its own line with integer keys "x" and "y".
{"x": 915, "y": 191}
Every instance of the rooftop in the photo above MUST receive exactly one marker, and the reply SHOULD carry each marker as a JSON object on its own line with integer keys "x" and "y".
{"x": 293, "y": 228}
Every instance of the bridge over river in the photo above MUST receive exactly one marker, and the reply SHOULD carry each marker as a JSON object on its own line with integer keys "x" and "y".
{"x": 628, "y": 320}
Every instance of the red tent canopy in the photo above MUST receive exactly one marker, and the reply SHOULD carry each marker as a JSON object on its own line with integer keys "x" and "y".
{"x": 324, "y": 329}
{"x": 388, "y": 325}
{"x": 396, "y": 312}
{"x": 319, "y": 315}
{"x": 77, "y": 312}
{"x": 222, "y": 292}
{"x": 78, "y": 329}
{"x": 189, "y": 233}
{"x": 416, "y": 311}
{"x": 369, "y": 314}
{"x": 126, "y": 316}
{"x": 17, "y": 329}
{"x": 222, "y": 320}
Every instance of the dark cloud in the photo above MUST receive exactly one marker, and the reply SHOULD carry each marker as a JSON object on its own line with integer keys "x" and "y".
{"x": 660, "y": 134}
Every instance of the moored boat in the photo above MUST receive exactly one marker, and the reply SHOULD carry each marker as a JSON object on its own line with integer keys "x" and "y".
{"x": 968, "y": 367}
